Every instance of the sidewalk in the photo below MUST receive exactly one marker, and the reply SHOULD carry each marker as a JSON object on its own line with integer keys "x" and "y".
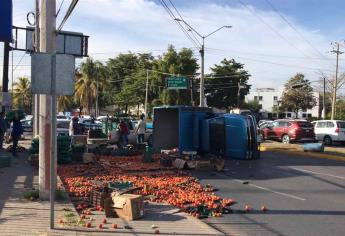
{"x": 22, "y": 217}
{"x": 331, "y": 153}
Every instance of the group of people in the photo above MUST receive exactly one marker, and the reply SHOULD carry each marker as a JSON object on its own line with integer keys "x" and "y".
{"x": 16, "y": 132}
{"x": 139, "y": 130}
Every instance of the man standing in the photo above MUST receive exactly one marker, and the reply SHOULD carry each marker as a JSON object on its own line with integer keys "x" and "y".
{"x": 141, "y": 129}
{"x": 3, "y": 129}
{"x": 17, "y": 131}
{"x": 123, "y": 127}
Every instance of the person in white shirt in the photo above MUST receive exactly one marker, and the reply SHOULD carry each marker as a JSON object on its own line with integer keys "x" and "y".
{"x": 140, "y": 129}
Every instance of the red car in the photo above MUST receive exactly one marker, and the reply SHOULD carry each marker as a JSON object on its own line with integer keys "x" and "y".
{"x": 289, "y": 130}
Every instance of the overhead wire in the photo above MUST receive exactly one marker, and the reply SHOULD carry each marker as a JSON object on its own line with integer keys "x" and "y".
{"x": 171, "y": 14}
{"x": 68, "y": 13}
{"x": 273, "y": 29}
{"x": 295, "y": 29}
{"x": 58, "y": 11}
{"x": 181, "y": 17}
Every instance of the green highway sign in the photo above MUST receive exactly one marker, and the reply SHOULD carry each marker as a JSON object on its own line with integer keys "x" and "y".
{"x": 177, "y": 82}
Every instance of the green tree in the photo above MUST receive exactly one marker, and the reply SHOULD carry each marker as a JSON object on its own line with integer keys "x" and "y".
{"x": 132, "y": 92}
{"x": 64, "y": 103}
{"x": 172, "y": 62}
{"x": 340, "y": 110}
{"x": 298, "y": 94}
{"x": 22, "y": 94}
{"x": 222, "y": 85}
{"x": 89, "y": 77}
{"x": 253, "y": 106}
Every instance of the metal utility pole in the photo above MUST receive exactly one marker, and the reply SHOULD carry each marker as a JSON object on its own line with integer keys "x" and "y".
{"x": 202, "y": 54}
{"x": 47, "y": 44}
{"x": 5, "y": 70}
{"x": 335, "y": 86}
{"x": 37, "y": 49}
{"x": 202, "y": 77}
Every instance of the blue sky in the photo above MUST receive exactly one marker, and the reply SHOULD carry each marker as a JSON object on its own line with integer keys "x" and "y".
{"x": 270, "y": 49}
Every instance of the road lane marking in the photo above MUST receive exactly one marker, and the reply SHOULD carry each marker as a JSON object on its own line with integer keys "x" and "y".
{"x": 266, "y": 189}
{"x": 317, "y": 173}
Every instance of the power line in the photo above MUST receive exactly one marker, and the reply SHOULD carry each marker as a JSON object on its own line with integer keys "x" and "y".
{"x": 57, "y": 13}
{"x": 68, "y": 13}
{"x": 19, "y": 61}
{"x": 181, "y": 17}
{"x": 271, "y": 28}
{"x": 171, "y": 14}
{"x": 294, "y": 28}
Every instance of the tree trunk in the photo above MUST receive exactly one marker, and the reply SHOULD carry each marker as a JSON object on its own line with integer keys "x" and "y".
{"x": 126, "y": 109}
{"x": 138, "y": 113}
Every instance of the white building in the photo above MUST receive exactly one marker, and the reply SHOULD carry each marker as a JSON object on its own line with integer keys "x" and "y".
{"x": 270, "y": 99}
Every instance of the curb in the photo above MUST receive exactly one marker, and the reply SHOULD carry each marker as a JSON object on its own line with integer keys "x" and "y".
{"x": 308, "y": 154}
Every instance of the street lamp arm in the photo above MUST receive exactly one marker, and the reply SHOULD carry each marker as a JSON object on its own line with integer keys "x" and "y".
{"x": 224, "y": 26}
{"x": 178, "y": 19}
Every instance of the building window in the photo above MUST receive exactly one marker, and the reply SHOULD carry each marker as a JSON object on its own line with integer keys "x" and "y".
{"x": 304, "y": 115}
{"x": 255, "y": 98}
{"x": 260, "y": 98}
{"x": 275, "y": 98}
{"x": 288, "y": 115}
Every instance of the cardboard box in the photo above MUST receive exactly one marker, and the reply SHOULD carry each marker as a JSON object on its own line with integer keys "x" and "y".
{"x": 88, "y": 158}
{"x": 179, "y": 163}
{"x": 128, "y": 206}
{"x": 204, "y": 165}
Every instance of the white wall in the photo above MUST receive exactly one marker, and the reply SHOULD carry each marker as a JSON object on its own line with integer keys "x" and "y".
{"x": 269, "y": 97}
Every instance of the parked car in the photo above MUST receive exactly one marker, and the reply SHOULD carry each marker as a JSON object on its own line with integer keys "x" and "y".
{"x": 330, "y": 131}
{"x": 114, "y": 135}
{"x": 27, "y": 125}
{"x": 62, "y": 127}
{"x": 289, "y": 130}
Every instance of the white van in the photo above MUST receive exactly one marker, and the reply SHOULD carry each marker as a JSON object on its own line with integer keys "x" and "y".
{"x": 330, "y": 131}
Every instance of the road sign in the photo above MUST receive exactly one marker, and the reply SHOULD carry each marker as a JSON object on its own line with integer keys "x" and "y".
{"x": 71, "y": 43}
{"x": 41, "y": 73}
{"x": 6, "y": 21}
{"x": 177, "y": 82}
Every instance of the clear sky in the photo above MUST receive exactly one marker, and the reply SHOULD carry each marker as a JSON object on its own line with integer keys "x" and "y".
{"x": 273, "y": 38}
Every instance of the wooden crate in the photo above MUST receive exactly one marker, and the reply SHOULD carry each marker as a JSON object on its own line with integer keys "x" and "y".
{"x": 97, "y": 198}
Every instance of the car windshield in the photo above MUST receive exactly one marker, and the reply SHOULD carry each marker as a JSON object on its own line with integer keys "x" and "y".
{"x": 62, "y": 125}
{"x": 341, "y": 125}
{"x": 305, "y": 124}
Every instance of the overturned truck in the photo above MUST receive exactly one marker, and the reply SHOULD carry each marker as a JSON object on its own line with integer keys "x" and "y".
{"x": 201, "y": 130}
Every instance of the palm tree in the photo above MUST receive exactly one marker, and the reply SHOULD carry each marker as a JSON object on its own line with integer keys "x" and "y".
{"x": 89, "y": 78}
{"x": 22, "y": 94}
{"x": 64, "y": 102}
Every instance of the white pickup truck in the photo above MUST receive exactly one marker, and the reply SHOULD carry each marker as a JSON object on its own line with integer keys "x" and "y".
{"x": 114, "y": 135}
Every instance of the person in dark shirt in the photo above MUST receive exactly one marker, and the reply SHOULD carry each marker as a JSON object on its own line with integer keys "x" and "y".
{"x": 17, "y": 131}
{"x": 3, "y": 129}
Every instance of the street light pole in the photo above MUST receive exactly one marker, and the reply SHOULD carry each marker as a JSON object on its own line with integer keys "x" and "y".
{"x": 202, "y": 54}
{"x": 335, "y": 86}
{"x": 324, "y": 99}
{"x": 202, "y": 78}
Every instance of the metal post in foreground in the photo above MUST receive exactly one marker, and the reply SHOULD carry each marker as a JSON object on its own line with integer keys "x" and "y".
{"x": 47, "y": 167}
{"x": 202, "y": 78}
{"x": 5, "y": 69}
{"x": 36, "y": 102}
{"x": 53, "y": 143}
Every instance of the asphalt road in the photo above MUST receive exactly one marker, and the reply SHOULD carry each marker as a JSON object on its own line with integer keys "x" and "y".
{"x": 304, "y": 196}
